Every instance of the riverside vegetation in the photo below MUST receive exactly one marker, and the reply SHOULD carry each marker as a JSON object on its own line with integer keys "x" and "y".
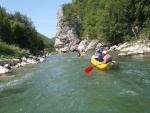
{"x": 110, "y": 21}
{"x": 20, "y": 43}
{"x": 18, "y": 36}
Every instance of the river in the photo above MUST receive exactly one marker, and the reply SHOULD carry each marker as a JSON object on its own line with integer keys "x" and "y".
{"x": 60, "y": 85}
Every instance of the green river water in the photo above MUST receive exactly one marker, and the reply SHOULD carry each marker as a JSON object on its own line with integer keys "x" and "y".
{"x": 60, "y": 85}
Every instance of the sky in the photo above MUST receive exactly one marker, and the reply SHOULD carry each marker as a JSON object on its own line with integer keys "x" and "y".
{"x": 43, "y": 13}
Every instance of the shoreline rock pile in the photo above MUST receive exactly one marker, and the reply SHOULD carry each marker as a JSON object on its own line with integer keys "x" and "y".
{"x": 132, "y": 48}
{"x": 6, "y": 64}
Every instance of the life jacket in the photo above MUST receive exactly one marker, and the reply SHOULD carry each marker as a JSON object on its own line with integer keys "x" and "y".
{"x": 100, "y": 57}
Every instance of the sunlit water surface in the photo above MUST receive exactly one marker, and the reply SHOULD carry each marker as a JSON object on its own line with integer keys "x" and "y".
{"x": 60, "y": 85}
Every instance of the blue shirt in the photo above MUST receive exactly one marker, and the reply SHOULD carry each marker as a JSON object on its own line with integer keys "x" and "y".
{"x": 100, "y": 57}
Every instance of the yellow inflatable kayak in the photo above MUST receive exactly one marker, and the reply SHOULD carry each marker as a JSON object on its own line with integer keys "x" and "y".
{"x": 103, "y": 67}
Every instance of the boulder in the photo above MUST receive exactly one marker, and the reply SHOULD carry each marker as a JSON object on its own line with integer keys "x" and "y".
{"x": 64, "y": 50}
{"x": 113, "y": 48}
{"x": 92, "y": 45}
{"x": 82, "y": 45}
{"x": 122, "y": 54}
{"x": 148, "y": 45}
{"x": 99, "y": 45}
{"x": 4, "y": 70}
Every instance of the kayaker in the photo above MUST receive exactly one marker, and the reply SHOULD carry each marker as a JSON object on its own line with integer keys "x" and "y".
{"x": 78, "y": 53}
{"x": 99, "y": 55}
{"x": 82, "y": 52}
{"x": 107, "y": 57}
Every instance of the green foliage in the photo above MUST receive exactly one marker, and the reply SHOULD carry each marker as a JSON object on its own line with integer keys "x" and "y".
{"x": 5, "y": 28}
{"x": 127, "y": 38}
{"x": 145, "y": 33}
{"x": 11, "y": 50}
{"x": 17, "y": 29}
{"x": 53, "y": 39}
{"x": 109, "y": 20}
{"x": 47, "y": 43}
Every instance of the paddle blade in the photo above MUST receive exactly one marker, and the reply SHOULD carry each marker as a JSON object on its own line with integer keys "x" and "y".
{"x": 89, "y": 69}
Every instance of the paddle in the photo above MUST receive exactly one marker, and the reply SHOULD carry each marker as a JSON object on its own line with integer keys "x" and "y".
{"x": 89, "y": 69}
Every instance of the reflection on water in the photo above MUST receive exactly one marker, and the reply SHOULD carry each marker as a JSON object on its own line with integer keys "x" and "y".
{"x": 60, "y": 85}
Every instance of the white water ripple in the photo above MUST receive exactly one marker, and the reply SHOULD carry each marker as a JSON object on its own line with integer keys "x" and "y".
{"x": 15, "y": 82}
{"x": 136, "y": 72}
{"x": 128, "y": 91}
{"x": 146, "y": 81}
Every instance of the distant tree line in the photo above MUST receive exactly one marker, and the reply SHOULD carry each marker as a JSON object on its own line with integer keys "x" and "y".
{"x": 17, "y": 29}
{"x": 112, "y": 21}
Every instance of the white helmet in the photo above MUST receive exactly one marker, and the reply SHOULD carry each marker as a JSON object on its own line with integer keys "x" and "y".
{"x": 104, "y": 52}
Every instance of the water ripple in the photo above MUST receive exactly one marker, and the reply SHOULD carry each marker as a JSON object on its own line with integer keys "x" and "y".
{"x": 145, "y": 81}
{"x": 15, "y": 82}
{"x": 128, "y": 92}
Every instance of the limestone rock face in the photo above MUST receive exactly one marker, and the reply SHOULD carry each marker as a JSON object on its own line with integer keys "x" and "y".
{"x": 92, "y": 45}
{"x": 66, "y": 36}
{"x": 82, "y": 45}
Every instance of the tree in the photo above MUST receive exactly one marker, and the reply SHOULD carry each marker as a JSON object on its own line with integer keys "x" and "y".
{"x": 110, "y": 20}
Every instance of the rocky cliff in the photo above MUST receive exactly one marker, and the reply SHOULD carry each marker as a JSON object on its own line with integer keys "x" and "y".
{"x": 66, "y": 37}
{"x": 67, "y": 40}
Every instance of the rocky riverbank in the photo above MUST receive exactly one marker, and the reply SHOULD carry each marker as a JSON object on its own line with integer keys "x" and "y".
{"x": 141, "y": 46}
{"x": 6, "y": 65}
